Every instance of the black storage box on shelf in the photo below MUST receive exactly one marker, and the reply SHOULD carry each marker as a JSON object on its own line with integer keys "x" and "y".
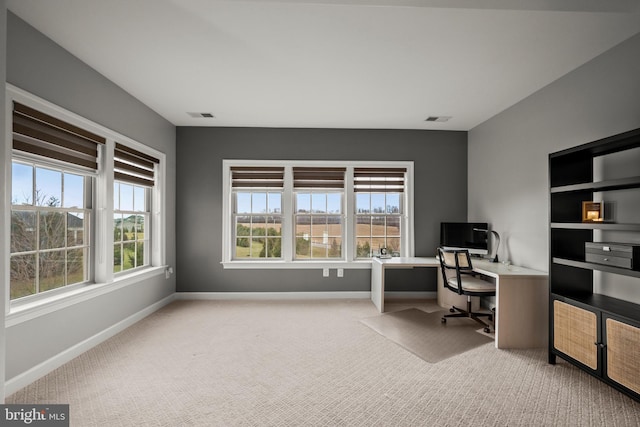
{"x": 622, "y": 255}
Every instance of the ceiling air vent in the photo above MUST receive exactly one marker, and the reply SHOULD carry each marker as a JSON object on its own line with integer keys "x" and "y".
{"x": 437, "y": 119}
{"x": 202, "y": 115}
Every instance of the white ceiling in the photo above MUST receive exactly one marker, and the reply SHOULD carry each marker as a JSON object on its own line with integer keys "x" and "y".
{"x": 333, "y": 63}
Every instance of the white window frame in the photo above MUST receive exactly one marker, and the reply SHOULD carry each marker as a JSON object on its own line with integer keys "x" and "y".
{"x": 88, "y": 212}
{"x": 234, "y": 215}
{"x": 288, "y": 260}
{"x": 101, "y": 279}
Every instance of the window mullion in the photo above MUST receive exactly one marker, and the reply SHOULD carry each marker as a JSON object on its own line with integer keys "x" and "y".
{"x": 348, "y": 215}
{"x": 288, "y": 238}
{"x": 103, "y": 239}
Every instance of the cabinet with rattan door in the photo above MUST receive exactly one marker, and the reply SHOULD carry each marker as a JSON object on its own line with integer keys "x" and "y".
{"x": 575, "y": 333}
{"x": 601, "y": 343}
{"x": 622, "y": 359}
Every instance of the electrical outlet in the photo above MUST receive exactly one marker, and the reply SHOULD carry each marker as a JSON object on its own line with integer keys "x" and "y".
{"x": 325, "y": 272}
{"x": 341, "y": 272}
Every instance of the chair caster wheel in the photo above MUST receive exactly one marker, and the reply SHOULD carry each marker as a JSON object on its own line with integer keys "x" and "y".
{"x": 443, "y": 320}
{"x": 451, "y": 310}
{"x": 487, "y": 330}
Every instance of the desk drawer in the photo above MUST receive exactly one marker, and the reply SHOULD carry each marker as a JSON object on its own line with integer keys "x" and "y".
{"x": 614, "y": 261}
{"x": 621, "y": 255}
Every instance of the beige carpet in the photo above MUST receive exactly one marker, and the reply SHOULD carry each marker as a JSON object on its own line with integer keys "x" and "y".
{"x": 312, "y": 363}
{"x": 424, "y": 334}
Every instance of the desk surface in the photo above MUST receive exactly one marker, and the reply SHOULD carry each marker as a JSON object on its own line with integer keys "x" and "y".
{"x": 482, "y": 266}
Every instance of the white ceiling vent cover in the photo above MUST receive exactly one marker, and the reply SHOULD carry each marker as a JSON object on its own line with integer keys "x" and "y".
{"x": 202, "y": 115}
{"x": 437, "y": 119}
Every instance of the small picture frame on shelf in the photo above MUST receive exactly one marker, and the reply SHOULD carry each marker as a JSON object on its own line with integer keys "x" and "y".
{"x": 592, "y": 211}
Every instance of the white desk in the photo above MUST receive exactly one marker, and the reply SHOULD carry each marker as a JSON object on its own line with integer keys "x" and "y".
{"x": 521, "y": 298}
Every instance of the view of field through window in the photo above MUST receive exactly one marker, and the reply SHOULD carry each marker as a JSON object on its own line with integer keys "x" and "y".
{"x": 130, "y": 217}
{"x": 258, "y": 219}
{"x": 318, "y": 224}
{"x": 378, "y": 223}
{"x": 49, "y": 229}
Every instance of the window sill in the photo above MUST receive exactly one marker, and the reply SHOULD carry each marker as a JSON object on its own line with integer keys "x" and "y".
{"x": 22, "y": 311}
{"x": 302, "y": 265}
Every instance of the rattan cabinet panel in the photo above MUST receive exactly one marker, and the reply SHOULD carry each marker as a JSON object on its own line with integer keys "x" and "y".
{"x": 623, "y": 355}
{"x": 575, "y": 333}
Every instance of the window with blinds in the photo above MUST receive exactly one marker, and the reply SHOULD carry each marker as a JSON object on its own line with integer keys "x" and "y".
{"x": 379, "y": 180}
{"x": 61, "y": 231}
{"x": 318, "y": 218}
{"x": 311, "y": 213}
{"x": 257, "y": 212}
{"x": 51, "y": 215}
{"x": 38, "y": 133}
{"x": 133, "y": 166}
{"x": 379, "y": 210}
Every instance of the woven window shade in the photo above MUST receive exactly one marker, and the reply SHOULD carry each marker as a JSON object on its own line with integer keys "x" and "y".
{"x": 314, "y": 177}
{"x": 38, "y": 133}
{"x": 133, "y": 167}
{"x": 257, "y": 176}
{"x": 379, "y": 180}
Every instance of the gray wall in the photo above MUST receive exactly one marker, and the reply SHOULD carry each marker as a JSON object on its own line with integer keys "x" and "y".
{"x": 201, "y": 151}
{"x": 508, "y": 154}
{"x": 38, "y": 65}
{"x": 3, "y": 190}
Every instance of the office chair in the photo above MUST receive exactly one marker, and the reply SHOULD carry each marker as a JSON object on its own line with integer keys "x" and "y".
{"x": 458, "y": 276}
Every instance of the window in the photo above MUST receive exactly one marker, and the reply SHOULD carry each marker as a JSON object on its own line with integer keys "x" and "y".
{"x": 257, "y": 212}
{"x": 318, "y": 216}
{"x": 130, "y": 216}
{"x": 298, "y": 214}
{"x": 50, "y": 224}
{"x": 134, "y": 172}
{"x": 379, "y": 210}
{"x": 66, "y": 171}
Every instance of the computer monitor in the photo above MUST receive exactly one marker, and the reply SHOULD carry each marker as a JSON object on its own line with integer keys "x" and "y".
{"x": 472, "y": 236}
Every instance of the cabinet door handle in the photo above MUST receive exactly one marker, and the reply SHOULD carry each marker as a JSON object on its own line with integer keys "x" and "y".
{"x": 606, "y": 259}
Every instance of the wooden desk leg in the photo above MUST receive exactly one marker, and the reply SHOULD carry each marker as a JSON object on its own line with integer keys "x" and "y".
{"x": 377, "y": 286}
{"x": 521, "y": 311}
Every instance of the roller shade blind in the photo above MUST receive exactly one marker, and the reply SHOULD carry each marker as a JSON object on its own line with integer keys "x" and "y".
{"x": 315, "y": 177}
{"x": 257, "y": 176}
{"x": 38, "y": 133}
{"x": 133, "y": 166}
{"x": 379, "y": 180}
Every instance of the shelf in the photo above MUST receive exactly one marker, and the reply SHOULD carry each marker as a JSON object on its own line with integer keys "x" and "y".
{"x": 571, "y": 179}
{"x": 614, "y": 184}
{"x": 609, "y": 305}
{"x": 599, "y": 267}
{"x": 595, "y": 226}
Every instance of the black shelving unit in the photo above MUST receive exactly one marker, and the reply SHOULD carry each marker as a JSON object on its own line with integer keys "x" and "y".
{"x": 595, "y": 332}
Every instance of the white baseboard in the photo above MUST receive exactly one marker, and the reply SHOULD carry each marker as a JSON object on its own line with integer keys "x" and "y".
{"x": 271, "y": 295}
{"x": 24, "y": 379}
{"x": 411, "y": 295}
{"x": 299, "y": 295}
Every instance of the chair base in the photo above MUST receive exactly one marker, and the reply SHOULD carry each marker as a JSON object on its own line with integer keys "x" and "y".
{"x": 458, "y": 312}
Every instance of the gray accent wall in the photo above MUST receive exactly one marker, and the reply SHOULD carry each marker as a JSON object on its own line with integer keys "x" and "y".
{"x": 440, "y": 172}
{"x": 3, "y": 193}
{"x": 38, "y": 65}
{"x": 508, "y": 154}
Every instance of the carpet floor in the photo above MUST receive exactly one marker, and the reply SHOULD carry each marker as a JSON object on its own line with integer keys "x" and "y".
{"x": 312, "y": 363}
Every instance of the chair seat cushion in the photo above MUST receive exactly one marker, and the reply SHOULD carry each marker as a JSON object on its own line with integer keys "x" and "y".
{"x": 472, "y": 284}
